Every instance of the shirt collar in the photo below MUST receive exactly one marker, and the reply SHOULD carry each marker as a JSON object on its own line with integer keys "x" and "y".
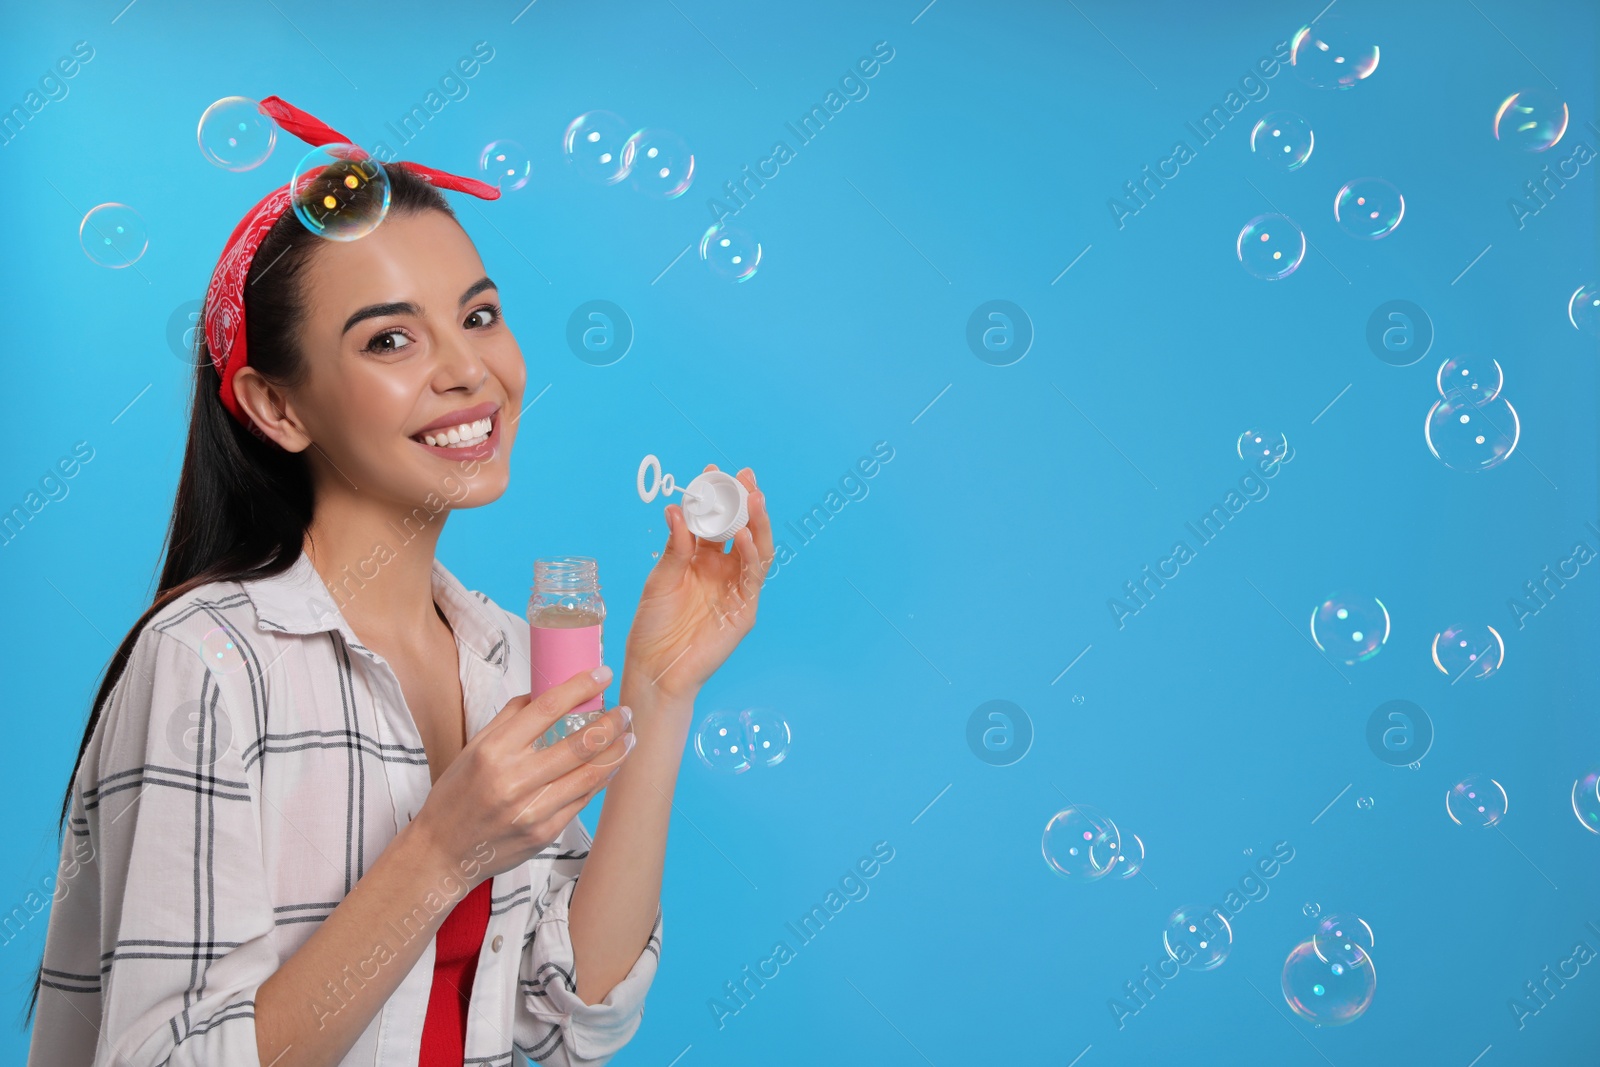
{"x": 298, "y": 601}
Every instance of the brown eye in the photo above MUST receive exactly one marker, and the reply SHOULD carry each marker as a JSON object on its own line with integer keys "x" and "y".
{"x": 490, "y": 310}
{"x": 399, "y": 341}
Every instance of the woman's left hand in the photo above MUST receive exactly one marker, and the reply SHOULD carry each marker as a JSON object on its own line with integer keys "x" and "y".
{"x": 699, "y": 601}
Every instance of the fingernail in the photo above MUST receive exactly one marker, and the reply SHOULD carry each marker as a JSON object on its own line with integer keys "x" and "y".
{"x": 601, "y": 674}
{"x": 627, "y": 717}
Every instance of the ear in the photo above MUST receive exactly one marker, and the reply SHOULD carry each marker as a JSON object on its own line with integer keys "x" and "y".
{"x": 270, "y": 409}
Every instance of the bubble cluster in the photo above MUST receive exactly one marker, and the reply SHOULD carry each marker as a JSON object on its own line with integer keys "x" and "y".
{"x": 592, "y": 146}
{"x": 235, "y": 134}
{"x": 1081, "y": 844}
{"x": 1351, "y": 627}
{"x": 1256, "y": 445}
{"x": 1271, "y": 247}
{"x": 1531, "y": 119}
{"x": 1468, "y": 651}
{"x": 1586, "y": 799}
{"x": 113, "y": 235}
{"x": 1368, "y": 208}
{"x": 733, "y": 742}
{"x": 1324, "y": 993}
{"x": 1331, "y": 56}
{"x": 659, "y": 163}
{"x": 340, "y": 192}
{"x": 1477, "y": 800}
{"x": 1199, "y": 937}
{"x": 1282, "y": 139}
{"x": 1583, "y": 310}
{"x": 504, "y": 165}
{"x": 1473, "y": 427}
{"x": 730, "y": 252}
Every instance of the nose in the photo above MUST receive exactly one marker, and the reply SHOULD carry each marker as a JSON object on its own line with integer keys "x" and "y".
{"x": 460, "y": 367}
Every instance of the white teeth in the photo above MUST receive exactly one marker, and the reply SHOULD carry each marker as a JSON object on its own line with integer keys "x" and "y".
{"x": 465, "y": 435}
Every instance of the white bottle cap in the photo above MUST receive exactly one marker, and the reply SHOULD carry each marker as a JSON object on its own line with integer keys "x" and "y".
{"x": 716, "y": 505}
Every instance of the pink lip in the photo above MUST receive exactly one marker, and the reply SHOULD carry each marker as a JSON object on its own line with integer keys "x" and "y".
{"x": 456, "y": 418}
{"x": 482, "y": 451}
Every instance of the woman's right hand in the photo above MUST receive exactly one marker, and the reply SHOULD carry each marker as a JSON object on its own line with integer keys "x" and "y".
{"x": 503, "y": 793}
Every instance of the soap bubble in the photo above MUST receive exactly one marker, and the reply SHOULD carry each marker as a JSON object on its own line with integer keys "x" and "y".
{"x": 220, "y": 651}
{"x": 1368, "y": 208}
{"x": 659, "y": 163}
{"x": 1465, "y": 436}
{"x": 720, "y": 743}
{"x": 1330, "y": 56}
{"x": 1475, "y": 378}
{"x": 1342, "y": 939}
{"x": 504, "y": 165}
{"x": 1312, "y": 909}
{"x": 733, "y": 742}
{"x": 1283, "y": 139}
{"x": 1477, "y": 800}
{"x": 767, "y": 733}
{"x": 235, "y": 134}
{"x": 1081, "y": 844}
{"x": 1256, "y": 445}
{"x": 1365, "y": 803}
{"x": 731, "y": 253}
{"x": 1350, "y": 626}
{"x": 113, "y": 235}
{"x": 1129, "y": 859}
{"x": 1583, "y": 310}
{"x": 1271, "y": 247}
{"x": 1199, "y": 937}
{"x": 1533, "y": 120}
{"x": 1468, "y": 651}
{"x": 592, "y": 145}
{"x": 1328, "y": 994}
{"x": 340, "y": 192}
{"x": 1586, "y": 799}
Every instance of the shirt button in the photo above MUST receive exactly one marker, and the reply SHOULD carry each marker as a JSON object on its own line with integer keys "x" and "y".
{"x": 494, "y": 946}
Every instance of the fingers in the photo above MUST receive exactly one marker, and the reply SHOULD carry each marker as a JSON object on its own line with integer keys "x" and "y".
{"x": 679, "y": 552}
{"x": 530, "y": 722}
{"x": 571, "y": 789}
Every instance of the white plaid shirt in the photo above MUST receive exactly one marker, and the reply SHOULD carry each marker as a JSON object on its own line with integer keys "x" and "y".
{"x": 233, "y": 794}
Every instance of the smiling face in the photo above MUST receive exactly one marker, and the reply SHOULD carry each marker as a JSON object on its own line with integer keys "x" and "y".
{"x": 403, "y": 343}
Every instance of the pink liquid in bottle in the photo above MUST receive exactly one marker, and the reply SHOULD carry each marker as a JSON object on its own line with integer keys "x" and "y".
{"x": 565, "y": 618}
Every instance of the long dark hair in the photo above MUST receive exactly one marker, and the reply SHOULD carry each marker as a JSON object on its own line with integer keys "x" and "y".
{"x": 243, "y": 504}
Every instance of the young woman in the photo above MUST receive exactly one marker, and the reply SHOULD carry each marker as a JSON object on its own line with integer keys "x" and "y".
{"x": 307, "y": 823}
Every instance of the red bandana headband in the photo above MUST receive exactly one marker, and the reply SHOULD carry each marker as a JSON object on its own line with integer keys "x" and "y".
{"x": 224, "y": 306}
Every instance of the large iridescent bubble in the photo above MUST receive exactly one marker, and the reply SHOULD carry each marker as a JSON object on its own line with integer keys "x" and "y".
{"x": 1270, "y": 247}
{"x": 1351, "y": 627}
{"x": 1331, "y": 56}
{"x": 1198, "y": 936}
{"x": 341, "y": 193}
{"x": 1532, "y": 120}
{"x": 1328, "y": 993}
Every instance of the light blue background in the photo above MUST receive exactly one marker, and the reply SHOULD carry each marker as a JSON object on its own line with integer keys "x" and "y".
{"x": 980, "y": 563}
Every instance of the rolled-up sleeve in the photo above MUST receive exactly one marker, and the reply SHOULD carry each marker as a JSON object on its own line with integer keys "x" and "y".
{"x": 552, "y": 1025}
{"x": 162, "y": 935}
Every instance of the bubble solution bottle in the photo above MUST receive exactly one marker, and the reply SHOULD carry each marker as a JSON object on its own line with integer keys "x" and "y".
{"x": 565, "y": 615}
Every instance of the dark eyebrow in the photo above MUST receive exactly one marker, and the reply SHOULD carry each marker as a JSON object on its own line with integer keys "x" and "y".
{"x": 406, "y": 307}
